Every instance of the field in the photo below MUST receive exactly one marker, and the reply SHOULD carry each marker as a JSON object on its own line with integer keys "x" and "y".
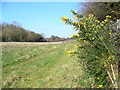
{"x": 40, "y": 66}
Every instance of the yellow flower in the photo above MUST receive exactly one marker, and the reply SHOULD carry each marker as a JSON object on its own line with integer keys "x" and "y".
{"x": 103, "y": 22}
{"x": 105, "y": 65}
{"x": 100, "y": 86}
{"x": 109, "y": 57}
{"x": 84, "y": 23}
{"x": 73, "y": 11}
{"x": 98, "y": 78}
{"x": 63, "y": 21}
{"x": 90, "y": 15}
{"x": 97, "y": 21}
{"x": 110, "y": 33}
{"x": 73, "y": 36}
{"x": 64, "y": 18}
{"x": 93, "y": 38}
{"x": 84, "y": 40}
{"x": 87, "y": 34}
{"x": 70, "y": 52}
{"x": 108, "y": 16}
{"x": 77, "y": 46}
{"x": 75, "y": 17}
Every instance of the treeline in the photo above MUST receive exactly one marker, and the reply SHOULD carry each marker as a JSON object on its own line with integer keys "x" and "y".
{"x": 15, "y": 33}
{"x": 55, "y": 39}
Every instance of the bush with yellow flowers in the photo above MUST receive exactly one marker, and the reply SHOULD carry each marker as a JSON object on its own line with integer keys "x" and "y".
{"x": 96, "y": 50}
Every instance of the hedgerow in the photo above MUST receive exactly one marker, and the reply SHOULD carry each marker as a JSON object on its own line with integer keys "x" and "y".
{"x": 96, "y": 50}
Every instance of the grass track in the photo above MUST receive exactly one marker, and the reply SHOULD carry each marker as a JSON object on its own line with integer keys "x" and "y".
{"x": 45, "y": 66}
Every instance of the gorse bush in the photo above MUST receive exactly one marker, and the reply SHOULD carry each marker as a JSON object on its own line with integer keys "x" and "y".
{"x": 96, "y": 50}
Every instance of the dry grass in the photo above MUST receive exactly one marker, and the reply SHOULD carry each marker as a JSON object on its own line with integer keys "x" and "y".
{"x": 27, "y": 43}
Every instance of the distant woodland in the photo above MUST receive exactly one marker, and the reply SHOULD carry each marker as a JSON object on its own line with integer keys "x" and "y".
{"x": 15, "y": 33}
{"x": 55, "y": 39}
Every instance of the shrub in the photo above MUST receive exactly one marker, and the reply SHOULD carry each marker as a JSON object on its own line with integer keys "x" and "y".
{"x": 96, "y": 50}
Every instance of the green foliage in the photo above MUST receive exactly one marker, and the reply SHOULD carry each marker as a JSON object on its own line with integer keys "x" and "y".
{"x": 96, "y": 51}
{"x": 12, "y": 33}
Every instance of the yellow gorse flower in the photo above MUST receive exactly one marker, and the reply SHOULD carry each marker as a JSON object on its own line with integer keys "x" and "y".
{"x": 97, "y": 21}
{"x": 84, "y": 40}
{"x": 70, "y": 52}
{"x": 105, "y": 20}
{"x": 90, "y": 15}
{"x": 75, "y": 17}
{"x": 101, "y": 24}
{"x": 92, "y": 38}
{"x": 108, "y": 16}
{"x": 64, "y": 21}
{"x": 110, "y": 33}
{"x": 105, "y": 64}
{"x": 77, "y": 46}
{"x": 87, "y": 34}
{"x": 84, "y": 23}
{"x": 110, "y": 57}
{"x": 100, "y": 86}
{"x": 93, "y": 25}
{"x": 64, "y": 18}
{"x": 98, "y": 78}
{"x": 73, "y": 36}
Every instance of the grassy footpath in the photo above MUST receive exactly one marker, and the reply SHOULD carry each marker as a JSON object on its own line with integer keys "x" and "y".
{"x": 44, "y": 66}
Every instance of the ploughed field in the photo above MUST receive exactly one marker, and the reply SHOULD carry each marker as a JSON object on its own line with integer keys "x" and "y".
{"x": 39, "y": 65}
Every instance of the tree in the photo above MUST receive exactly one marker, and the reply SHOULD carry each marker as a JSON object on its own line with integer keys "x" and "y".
{"x": 102, "y": 9}
{"x": 13, "y": 32}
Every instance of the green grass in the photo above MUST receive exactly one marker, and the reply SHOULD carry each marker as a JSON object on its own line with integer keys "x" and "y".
{"x": 44, "y": 66}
